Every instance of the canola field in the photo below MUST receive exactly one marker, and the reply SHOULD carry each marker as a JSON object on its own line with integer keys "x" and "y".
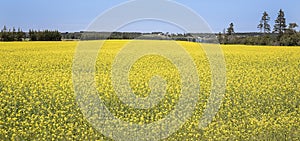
{"x": 37, "y": 100}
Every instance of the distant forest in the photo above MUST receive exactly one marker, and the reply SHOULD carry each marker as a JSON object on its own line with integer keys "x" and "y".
{"x": 282, "y": 34}
{"x": 33, "y": 35}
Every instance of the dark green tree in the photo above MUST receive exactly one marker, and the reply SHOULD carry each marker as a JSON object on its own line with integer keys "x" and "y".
{"x": 280, "y": 23}
{"x": 13, "y": 34}
{"x": 4, "y": 34}
{"x": 20, "y": 35}
{"x": 230, "y": 29}
{"x": 229, "y": 35}
{"x": 264, "y": 23}
{"x": 32, "y": 35}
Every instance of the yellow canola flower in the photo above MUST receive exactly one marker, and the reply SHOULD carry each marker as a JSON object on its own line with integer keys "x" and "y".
{"x": 37, "y": 100}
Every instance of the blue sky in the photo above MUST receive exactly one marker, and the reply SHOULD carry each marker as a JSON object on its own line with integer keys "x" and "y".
{"x": 75, "y": 15}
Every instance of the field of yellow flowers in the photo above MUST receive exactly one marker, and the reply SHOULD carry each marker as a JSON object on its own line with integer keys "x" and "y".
{"x": 37, "y": 100}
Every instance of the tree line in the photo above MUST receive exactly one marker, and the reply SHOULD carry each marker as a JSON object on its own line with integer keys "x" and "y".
{"x": 45, "y": 35}
{"x": 11, "y": 34}
{"x": 88, "y": 35}
{"x": 282, "y": 34}
{"x": 33, "y": 35}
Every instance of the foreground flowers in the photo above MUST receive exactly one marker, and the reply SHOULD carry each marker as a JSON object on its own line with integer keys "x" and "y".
{"x": 37, "y": 99}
